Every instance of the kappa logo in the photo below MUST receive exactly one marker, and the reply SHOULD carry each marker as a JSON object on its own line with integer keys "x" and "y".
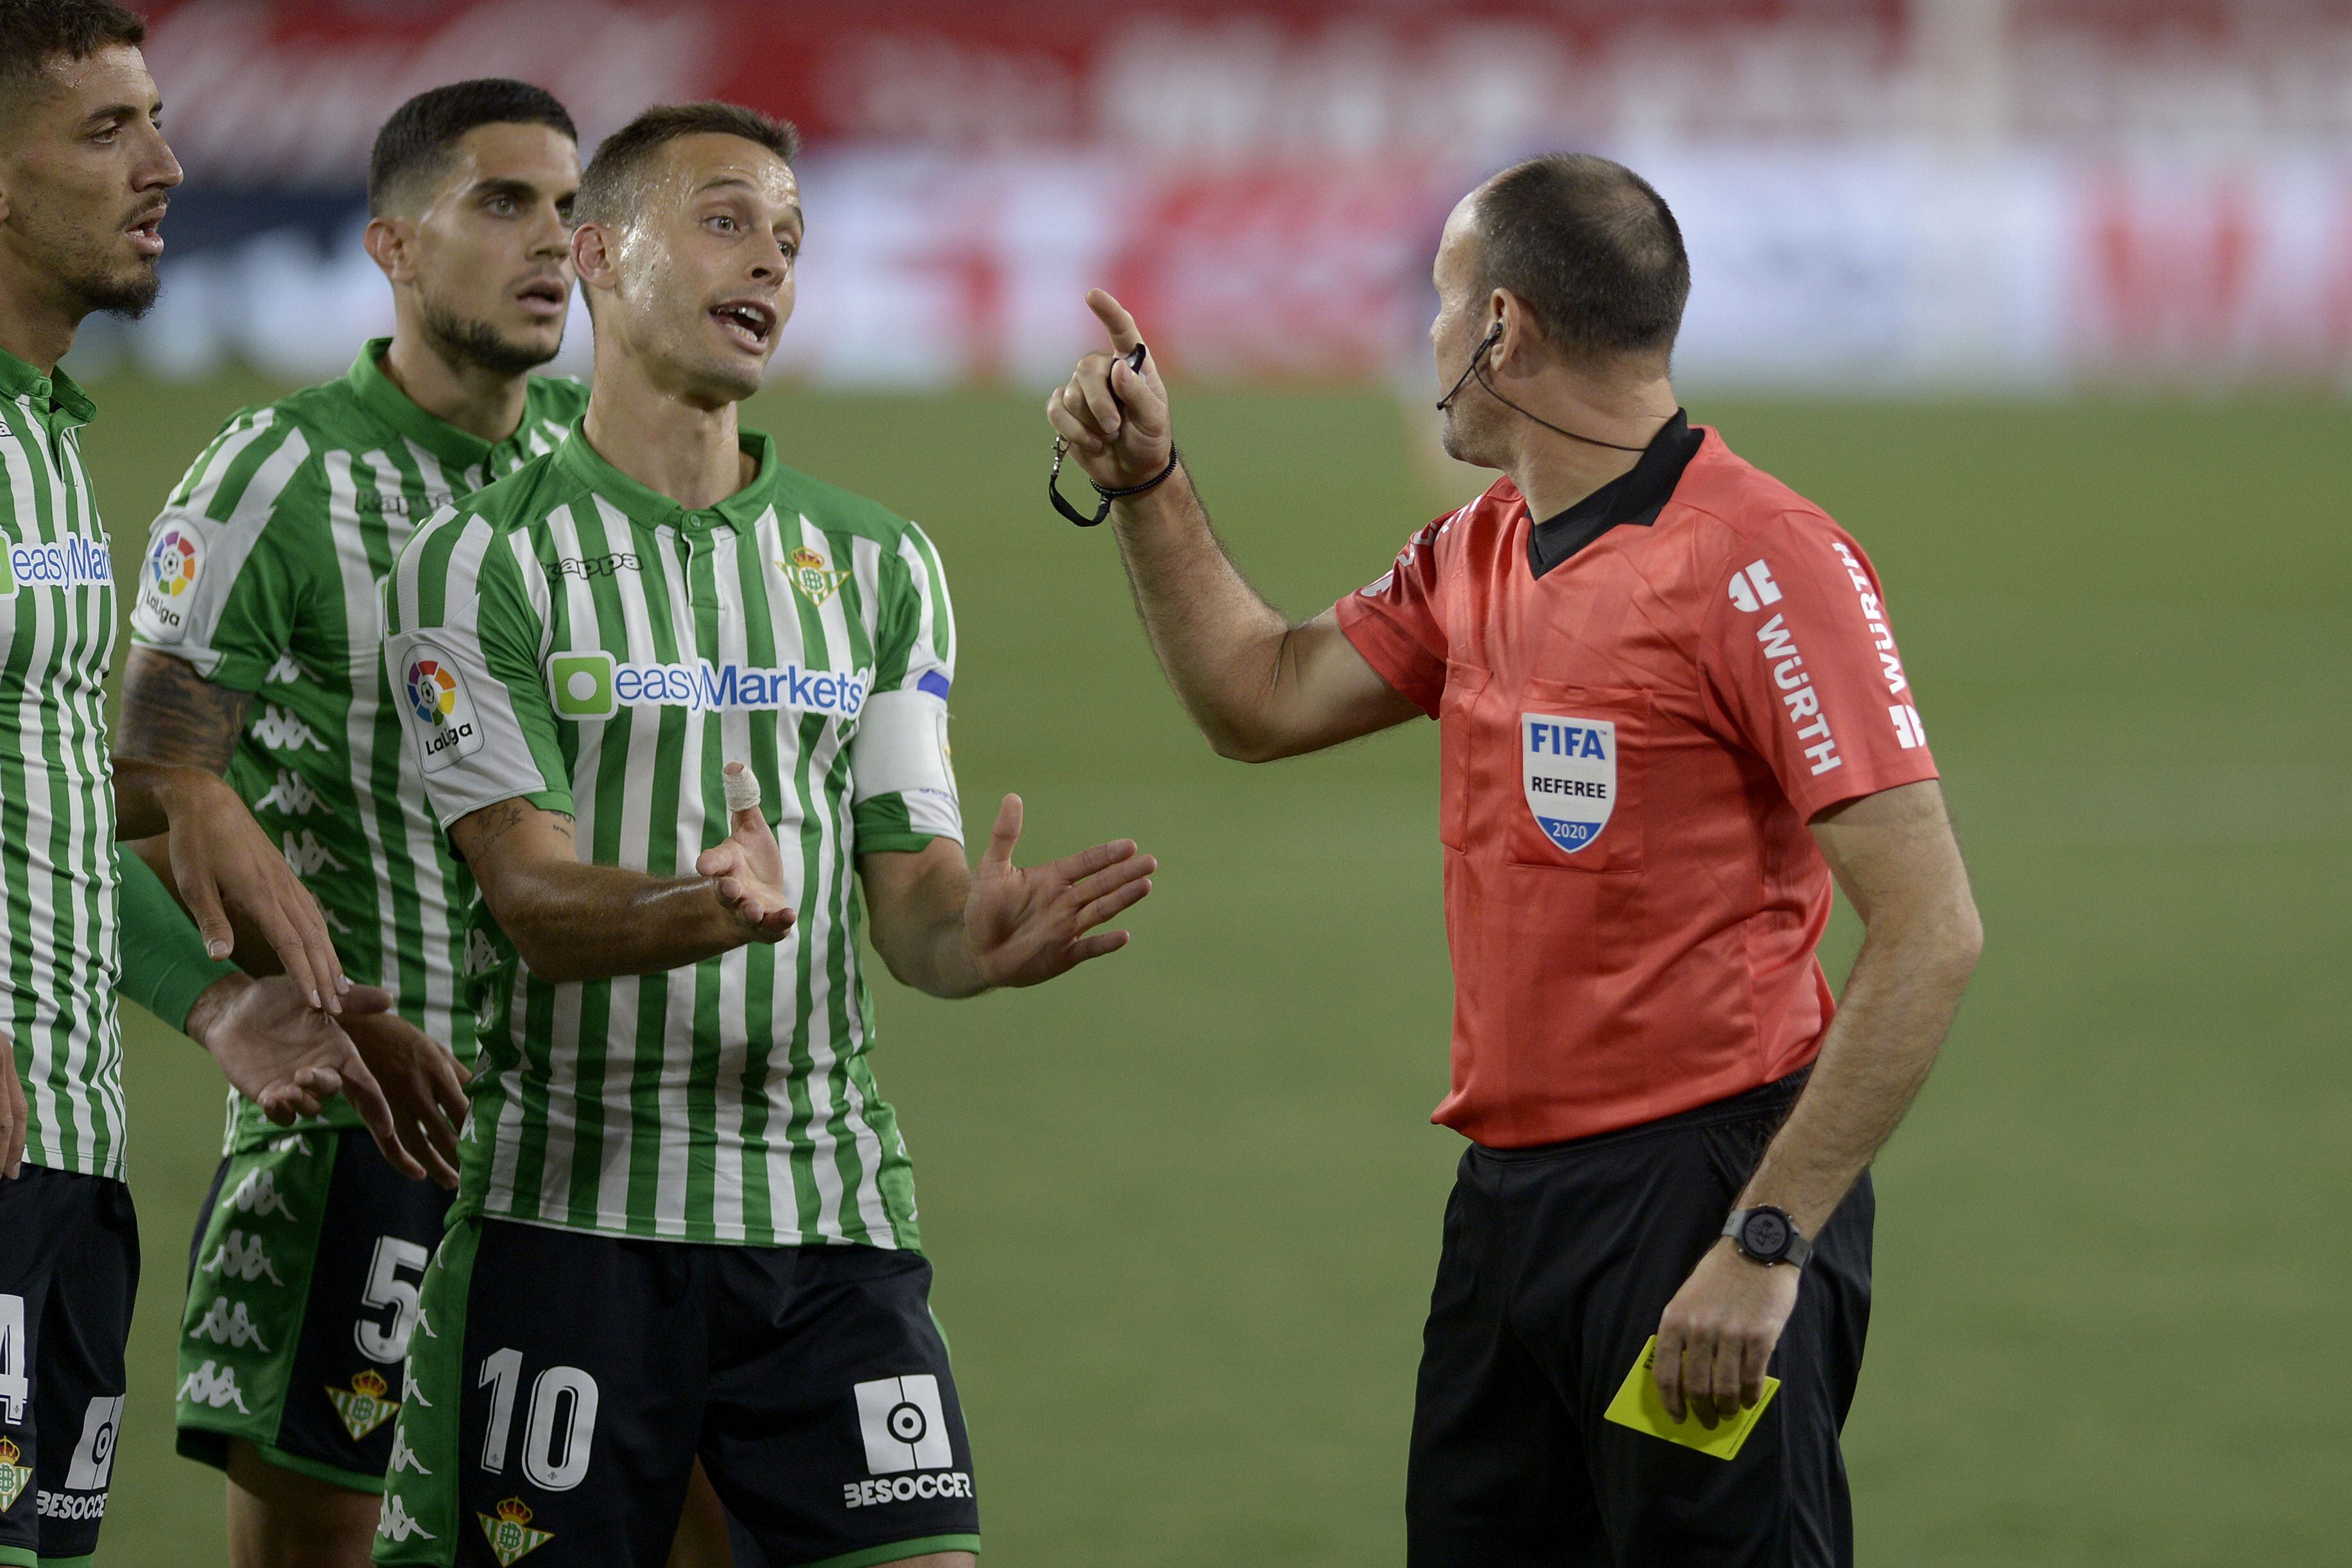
{"x": 307, "y": 855}
{"x": 1569, "y": 769}
{"x": 281, "y": 731}
{"x": 214, "y": 1387}
{"x": 241, "y": 1257}
{"x": 13, "y": 1478}
{"x": 285, "y": 672}
{"x": 510, "y": 1533}
{"x": 258, "y": 1195}
{"x": 816, "y": 578}
{"x": 404, "y": 1458}
{"x": 226, "y": 1323}
{"x": 362, "y": 1405}
{"x": 290, "y": 796}
{"x": 589, "y": 568}
{"x": 1752, "y": 586}
{"x": 409, "y": 1393}
{"x": 397, "y": 1524}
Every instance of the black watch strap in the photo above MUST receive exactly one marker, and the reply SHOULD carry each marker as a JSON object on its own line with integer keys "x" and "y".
{"x": 1767, "y": 1235}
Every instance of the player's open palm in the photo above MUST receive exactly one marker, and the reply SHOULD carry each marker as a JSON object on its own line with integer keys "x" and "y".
{"x": 423, "y": 1083}
{"x": 1030, "y": 925}
{"x": 748, "y": 865}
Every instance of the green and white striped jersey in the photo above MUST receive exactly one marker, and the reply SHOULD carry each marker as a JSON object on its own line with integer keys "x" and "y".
{"x": 263, "y": 572}
{"x": 573, "y": 638}
{"x": 61, "y": 956}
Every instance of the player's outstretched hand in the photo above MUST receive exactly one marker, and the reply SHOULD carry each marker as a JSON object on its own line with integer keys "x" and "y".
{"x": 1029, "y": 926}
{"x": 747, "y": 866}
{"x": 14, "y": 1115}
{"x": 221, "y": 859}
{"x": 422, "y": 1082}
{"x": 1114, "y": 417}
{"x": 290, "y": 1059}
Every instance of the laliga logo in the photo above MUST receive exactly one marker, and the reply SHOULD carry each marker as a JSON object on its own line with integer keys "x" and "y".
{"x": 171, "y": 564}
{"x": 432, "y": 691}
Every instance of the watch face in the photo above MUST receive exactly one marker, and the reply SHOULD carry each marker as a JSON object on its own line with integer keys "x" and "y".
{"x": 1765, "y": 1235}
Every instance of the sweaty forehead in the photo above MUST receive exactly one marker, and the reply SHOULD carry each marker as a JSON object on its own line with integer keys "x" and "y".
{"x": 693, "y": 164}
{"x": 86, "y": 84}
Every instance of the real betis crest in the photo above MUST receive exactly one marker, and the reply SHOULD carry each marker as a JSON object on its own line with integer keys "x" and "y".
{"x": 510, "y": 1534}
{"x": 810, "y": 573}
{"x": 362, "y": 1405}
{"x": 13, "y": 1478}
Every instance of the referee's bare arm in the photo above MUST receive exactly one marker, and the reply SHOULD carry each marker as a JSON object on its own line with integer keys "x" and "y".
{"x": 1895, "y": 856}
{"x": 1258, "y": 687}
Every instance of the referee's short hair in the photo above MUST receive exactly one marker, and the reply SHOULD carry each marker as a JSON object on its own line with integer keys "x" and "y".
{"x": 34, "y": 32}
{"x": 611, "y": 185}
{"x": 1592, "y": 251}
{"x": 415, "y": 143}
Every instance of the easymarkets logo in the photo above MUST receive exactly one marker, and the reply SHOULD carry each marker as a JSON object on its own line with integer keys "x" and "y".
{"x": 596, "y": 685}
{"x": 73, "y": 563}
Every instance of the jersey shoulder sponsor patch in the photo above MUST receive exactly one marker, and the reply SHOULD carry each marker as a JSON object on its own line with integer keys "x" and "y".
{"x": 436, "y": 692}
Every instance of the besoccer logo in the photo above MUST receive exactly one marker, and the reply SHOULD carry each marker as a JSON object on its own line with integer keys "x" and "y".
{"x": 432, "y": 691}
{"x": 171, "y": 564}
{"x": 906, "y": 1429}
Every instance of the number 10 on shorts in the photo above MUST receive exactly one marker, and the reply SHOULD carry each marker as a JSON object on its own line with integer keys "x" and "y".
{"x": 903, "y": 1425}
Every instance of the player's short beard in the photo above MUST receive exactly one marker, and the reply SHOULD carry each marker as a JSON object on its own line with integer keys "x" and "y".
{"x": 468, "y": 340}
{"x": 128, "y": 297}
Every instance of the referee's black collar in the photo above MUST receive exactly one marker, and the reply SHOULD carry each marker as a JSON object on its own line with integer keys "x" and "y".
{"x": 1635, "y": 496}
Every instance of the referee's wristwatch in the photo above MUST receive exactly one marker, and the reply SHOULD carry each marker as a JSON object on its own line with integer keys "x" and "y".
{"x": 1767, "y": 1235}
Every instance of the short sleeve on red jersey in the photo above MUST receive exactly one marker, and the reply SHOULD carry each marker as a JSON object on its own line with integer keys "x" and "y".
{"x": 1801, "y": 663}
{"x": 1398, "y": 624}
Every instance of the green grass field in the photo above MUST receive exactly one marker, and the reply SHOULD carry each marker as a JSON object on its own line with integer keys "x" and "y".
{"x": 1184, "y": 1205}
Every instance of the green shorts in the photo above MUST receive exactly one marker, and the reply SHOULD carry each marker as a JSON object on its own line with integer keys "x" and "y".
{"x": 302, "y": 1290}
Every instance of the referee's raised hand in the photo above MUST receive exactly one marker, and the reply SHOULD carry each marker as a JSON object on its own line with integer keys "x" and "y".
{"x": 1114, "y": 416}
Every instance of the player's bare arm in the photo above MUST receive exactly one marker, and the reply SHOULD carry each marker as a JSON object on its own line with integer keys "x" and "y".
{"x": 177, "y": 735}
{"x": 13, "y": 1115}
{"x": 174, "y": 717}
{"x": 570, "y": 921}
{"x": 1259, "y": 686}
{"x": 945, "y": 927}
{"x": 1898, "y": 862}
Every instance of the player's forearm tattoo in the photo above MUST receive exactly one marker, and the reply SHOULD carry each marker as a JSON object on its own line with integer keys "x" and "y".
{"x": 481, "y": 831}
{"x": 174, "y": 715}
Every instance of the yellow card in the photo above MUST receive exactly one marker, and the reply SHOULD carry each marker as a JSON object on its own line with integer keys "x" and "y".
{"x": 1639, "y": 1406}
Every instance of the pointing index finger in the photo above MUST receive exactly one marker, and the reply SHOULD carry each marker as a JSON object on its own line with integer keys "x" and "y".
{"x": 1121, "y": 326}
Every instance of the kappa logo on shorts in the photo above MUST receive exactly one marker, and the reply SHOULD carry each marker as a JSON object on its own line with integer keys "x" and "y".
{"x": 510, "y": 1534}
{"x": 240, "y": 1257}
{"x": 397, "y": 1524}
{"x": 258, "y": 1195}
{"x": 13, "y": 1478}
{"x": 404, "y": 1458}
{"x": 362, "y": 1405}
{"x": 1568, "y": 766}
{"x": 225, "y": 1323}
{"x": 212, "y": 1386}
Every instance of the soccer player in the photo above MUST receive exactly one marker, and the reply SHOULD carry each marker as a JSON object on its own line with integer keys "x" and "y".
{"x": 85, "y": 174}
{"x": 257, "y": 657}
{"x": 679, "y": 707}
{"x": 1671, "y": 712}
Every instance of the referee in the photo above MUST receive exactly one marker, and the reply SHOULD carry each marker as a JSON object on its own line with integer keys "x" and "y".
{"x": 1671, "y": 713}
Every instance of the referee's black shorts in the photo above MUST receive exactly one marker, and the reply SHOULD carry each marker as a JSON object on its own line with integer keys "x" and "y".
{"x": 1558, "y": 1262}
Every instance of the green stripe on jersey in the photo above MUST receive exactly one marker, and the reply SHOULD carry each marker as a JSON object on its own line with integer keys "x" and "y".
{"x": 263, "y": 571}
{"x": 574, "y": 638}
{"x": 60, "y": 956}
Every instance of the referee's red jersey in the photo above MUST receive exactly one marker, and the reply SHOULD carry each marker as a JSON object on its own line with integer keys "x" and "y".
{"x": 1642, "y": 702}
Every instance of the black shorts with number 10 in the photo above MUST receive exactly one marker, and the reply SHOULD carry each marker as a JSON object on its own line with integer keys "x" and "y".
{"x": 562, "y": 1385}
